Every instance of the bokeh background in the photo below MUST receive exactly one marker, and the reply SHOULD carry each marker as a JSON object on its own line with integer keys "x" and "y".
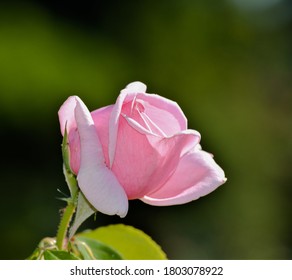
{"x": 227, "y": 63}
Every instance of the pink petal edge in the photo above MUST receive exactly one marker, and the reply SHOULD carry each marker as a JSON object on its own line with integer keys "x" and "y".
{"x": 196, "y": 175}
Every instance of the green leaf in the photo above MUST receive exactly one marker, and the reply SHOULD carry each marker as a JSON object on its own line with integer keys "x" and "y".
{"x": 84, "y": 211}
{"x": 91, "y": 249}
{"x": 129, "y": 242}
{"x": 59, "y": 255}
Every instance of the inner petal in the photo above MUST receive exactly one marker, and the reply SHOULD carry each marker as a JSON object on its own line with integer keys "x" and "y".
{"x": 138, "y": 113}
{"x": 152, "y": 125}
{"x": 133, "y": 112}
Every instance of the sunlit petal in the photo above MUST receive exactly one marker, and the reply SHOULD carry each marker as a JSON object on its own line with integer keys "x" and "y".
{"x": 96, "y": 181}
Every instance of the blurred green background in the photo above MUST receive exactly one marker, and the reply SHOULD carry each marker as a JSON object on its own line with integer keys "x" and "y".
{"x": 227, "y": 63}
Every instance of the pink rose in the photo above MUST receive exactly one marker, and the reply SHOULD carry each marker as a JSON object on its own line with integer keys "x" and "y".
{"x": 138, "y": 148}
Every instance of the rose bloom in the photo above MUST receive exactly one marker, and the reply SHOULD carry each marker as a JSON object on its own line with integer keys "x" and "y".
{"x": 138, "y": 148}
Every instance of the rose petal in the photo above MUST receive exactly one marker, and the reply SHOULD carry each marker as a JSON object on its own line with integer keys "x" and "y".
{"x": 67, "y": 119}
{"x": 143, "y": 160}
{"x": 131, "y": 89}
{"x": 165, "y": 113}
{"x": 96, "y": 181}
{"x": 66, "y": 114}
{"x": 157, "y": 104}
{"x": 133, "y": 123}
{"x": 113, "y": 127}
{"x": 101, "y": 119}
{"x": 196, "y": 175}
{"x": 135, "y": 87}
{"x": 74, "y": 146}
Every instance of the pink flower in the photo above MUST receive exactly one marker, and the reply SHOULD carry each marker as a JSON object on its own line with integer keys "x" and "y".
{"x": 138, "y": 148}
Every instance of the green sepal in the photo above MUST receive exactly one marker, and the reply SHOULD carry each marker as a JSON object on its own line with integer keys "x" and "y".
{"x": 84, "y": 211}
{"x": 66, "y": 150}
{"x": 71, "y": 181}
{"x": 130, "y": 243}
{"x": 91, "y": 249}
{"x": 68, "y": 173}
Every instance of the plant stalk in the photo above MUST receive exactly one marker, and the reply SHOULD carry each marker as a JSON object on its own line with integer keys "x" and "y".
{"x": 64, "y": 226}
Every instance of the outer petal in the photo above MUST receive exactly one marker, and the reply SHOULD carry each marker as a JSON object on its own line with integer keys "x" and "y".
{"x": 66, "y": 114}
{"x": 74, "y": 146}
{"x": 97, "y": 182}
{"x": 196, "y": 175}
{"x": 67, "y": 119}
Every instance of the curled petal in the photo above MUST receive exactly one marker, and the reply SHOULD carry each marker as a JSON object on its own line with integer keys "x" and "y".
{"x": 96, "y": 181}
{"x": 135, "y": 125}
{"x": 113, "y": 127}
{"x": 131, "y": 89}
{"x": 67, "y": 120}
{"x": 135, "y": 87}
{"x": 66, "y": 114}
{"x": 165, "y": 113}
{"x": 196, "y": 175}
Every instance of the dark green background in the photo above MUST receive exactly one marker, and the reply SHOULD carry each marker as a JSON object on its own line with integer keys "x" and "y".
{"x": 227, "y": 63}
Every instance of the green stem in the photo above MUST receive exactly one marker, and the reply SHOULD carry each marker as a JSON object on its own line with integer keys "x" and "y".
{"x": 64, "y": 225}
{"x": 72, "y": 203}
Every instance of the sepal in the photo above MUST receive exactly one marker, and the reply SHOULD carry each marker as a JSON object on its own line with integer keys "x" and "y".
{"x": 84, "y": 211}
{"x": 69, "y": 175}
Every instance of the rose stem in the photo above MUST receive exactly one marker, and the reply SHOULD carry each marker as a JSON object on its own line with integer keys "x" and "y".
{"x": 64, "y": 225}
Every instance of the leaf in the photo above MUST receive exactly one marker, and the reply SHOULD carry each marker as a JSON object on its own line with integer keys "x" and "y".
{"x": 91, "y": 249}
{"x": 84, "y": 211}
{"x": 129, "y": 242}
{"x": 59, "y": 255}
